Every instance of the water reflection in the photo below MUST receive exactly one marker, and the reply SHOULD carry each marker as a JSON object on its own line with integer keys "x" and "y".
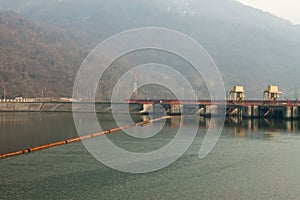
{"x": 264, "y": 124}
{"x": 25, "y": 130}
{"x": 241, "y": 128}
{"x": 260, "y": 128}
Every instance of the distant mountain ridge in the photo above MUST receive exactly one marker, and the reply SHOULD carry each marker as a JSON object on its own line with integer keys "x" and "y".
{"x": 251, "y": 47}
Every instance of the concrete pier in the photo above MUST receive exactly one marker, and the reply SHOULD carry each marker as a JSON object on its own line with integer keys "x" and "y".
{"x": 295, "y": 112}
{"x": 287, "y": 112}
{"x": 247, "y": 111}
{"x": 255, "y": 112}
{"x": 211, "y": 109}
{"x": 176, "y": 109}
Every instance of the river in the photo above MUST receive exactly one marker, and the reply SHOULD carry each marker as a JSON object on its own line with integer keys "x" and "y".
{"x": 253, "y": 159}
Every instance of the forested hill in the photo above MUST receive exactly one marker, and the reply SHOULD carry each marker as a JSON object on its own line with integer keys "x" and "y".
{"x": 251, "y": 47}
{"x": 35, "y": 60}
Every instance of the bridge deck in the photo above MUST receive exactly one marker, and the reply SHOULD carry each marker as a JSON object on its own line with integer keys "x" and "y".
{"x": 219, "y": 102}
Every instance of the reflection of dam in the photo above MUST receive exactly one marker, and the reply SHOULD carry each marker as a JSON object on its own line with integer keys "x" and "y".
{"x": 273, "y": 125}
{"x": 12, "y": 121}
{"x": 246, "y": 128}
{"x": 236, "y": 125}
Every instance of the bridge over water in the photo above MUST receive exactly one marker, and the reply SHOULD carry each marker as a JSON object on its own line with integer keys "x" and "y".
{"x": 247, "y": 108}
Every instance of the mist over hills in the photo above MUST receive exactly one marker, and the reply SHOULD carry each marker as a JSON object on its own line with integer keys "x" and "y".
{"x": 250, "y": 47}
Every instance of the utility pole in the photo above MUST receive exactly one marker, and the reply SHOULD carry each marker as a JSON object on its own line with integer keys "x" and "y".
{"x": 135, "y": 85}
{"x": 4, "y": 90}
{"x": 45, "y": 86}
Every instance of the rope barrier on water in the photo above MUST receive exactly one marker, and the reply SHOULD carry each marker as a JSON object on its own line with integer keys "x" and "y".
{"x": 77, "y": 139}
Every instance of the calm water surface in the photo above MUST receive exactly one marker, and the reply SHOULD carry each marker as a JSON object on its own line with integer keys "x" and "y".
{"x": 256, "y": 159}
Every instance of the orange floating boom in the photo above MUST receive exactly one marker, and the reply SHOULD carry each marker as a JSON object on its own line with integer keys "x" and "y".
{"x": 77, "y": 139}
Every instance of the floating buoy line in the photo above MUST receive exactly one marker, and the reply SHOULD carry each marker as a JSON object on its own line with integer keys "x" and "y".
{"x": 78, "y": 139}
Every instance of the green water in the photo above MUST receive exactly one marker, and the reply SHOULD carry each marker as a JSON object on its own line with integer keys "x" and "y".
{"x": 253, "y": 160}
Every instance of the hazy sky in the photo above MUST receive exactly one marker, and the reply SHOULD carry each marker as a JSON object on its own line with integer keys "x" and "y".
{"x": 288, "y": 9}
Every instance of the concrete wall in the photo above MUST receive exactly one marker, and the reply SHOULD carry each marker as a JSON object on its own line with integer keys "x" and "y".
{"x": 66, "y": 107}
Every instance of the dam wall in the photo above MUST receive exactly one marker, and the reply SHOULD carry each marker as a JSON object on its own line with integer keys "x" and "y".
{"x": 68, "y": 107}
{"x": 278, "y": 111}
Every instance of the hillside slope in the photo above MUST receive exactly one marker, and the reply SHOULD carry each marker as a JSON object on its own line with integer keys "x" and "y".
{"x": 251, "y": 47}
{"x": 35, "y": 60}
